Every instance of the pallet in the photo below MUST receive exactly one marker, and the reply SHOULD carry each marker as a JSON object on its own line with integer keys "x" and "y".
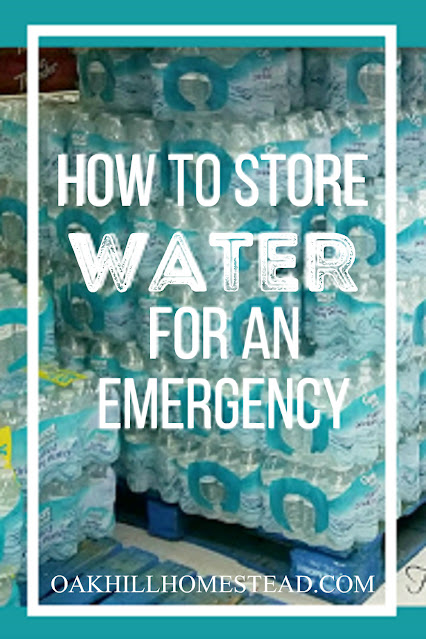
{"x": 264, "y": 554}
{"x": 107, "y": 557}
{"x": 274, "y": 554}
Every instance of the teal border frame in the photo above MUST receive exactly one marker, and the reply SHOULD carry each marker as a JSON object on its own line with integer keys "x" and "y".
{"x": 409, "y": 15}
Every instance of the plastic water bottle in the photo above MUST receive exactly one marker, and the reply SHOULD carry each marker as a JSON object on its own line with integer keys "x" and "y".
{"x": 250, "y": 512}
{"x": 80, "y": 137}
{"x": 190, "y": 452}
{"x": 274, "y": 466}
{"x": 102, "y": 357}
{"x": 13, "y": 225}
{"x": 11, "y": 521}
{"x": 53, "y": 134}
{"x": 96, "y": 503}
{"x": 145, "y": 220}
{"x": 139, "y": 455}
{"x": 408, "y": 397}
{"x": 340, "y": 531}
{"x": 131, "y": 364}
{"x": 367, "y": 508}
{"x": 295, "y": 78}
{"x": 73, "y": 351}
{"x": 118, "y": 312}
{"x": 144, "y": 138}
{"x": 168, "y": 481}
{"x": 9, "y": 491}
{"x": 96, "y": 79}
{"x": 300, "y": 511}
{"x": 6, "y": 591}
{"x": 59, "y": 520}
{"x": 408, "y": 470}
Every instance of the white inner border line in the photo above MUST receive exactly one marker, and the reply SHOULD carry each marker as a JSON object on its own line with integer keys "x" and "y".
{"x": 388, "y": 32}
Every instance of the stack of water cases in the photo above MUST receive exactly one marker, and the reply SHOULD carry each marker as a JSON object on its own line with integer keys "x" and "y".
{"x": 77, "y": 483}
{"x": 13, "y": 334}
{"x": 323, "y": 487}
{"x": 13, "y": 338}
{"x": 411, "y": 278}
{"x": 11, "y": 506}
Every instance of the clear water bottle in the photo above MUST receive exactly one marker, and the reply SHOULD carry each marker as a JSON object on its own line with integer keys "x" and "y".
{"x": 11, "y": 521}
{"x": 341, "y": 526}
{"x": 139, "y": 455}
{"x": 274, "y": 466}
{"x": 371, "y": 79}
{"x": 102, "y": 357}
{"x": 144, "y": 139}
{"x": 169, "y": 479}
{"x": 367, "y": 508}
{"x": 369, "y": 427}
{"x": 295, "y": 78}
{"x": 408, "y": 470}
{"x": 53, "y": 130}
{"x": 13, "y": 225}
{"x": 118, "y": 312}
{"x": 80, "y": 137}
{"x": 96, "y": 79}
{"x": 58, "y": 520}
{"x": 132, "y": 364}
{"x": 365, "y": 246}
{"x": 251, "y": 506}
{"x": 144, "y": 219}
{"x": 73, "y": 351}
{"x": 96, "y": 502}
{"x": 299, "y": 439}
{"x": 190, "y": 452}
{"x": 6, "y": 590}
{"x": 408, "y": 396}
{"x": 9, "y": 491}
{"x": 6, "y": 332}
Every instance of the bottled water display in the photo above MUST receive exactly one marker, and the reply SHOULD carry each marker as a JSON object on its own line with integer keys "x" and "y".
{"x": 323, "y": 487}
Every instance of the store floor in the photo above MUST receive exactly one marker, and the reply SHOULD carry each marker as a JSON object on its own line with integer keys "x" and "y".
{"x": 207, "y": 562}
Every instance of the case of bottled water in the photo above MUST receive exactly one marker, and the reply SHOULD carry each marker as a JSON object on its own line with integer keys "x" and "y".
{"x": 118, "y": 80}
{"x": 343, "y": 78}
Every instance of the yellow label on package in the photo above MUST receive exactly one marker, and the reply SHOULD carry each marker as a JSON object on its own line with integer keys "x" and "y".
{"x": 5, "y": 447}
{"x": 59, "y": 376}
